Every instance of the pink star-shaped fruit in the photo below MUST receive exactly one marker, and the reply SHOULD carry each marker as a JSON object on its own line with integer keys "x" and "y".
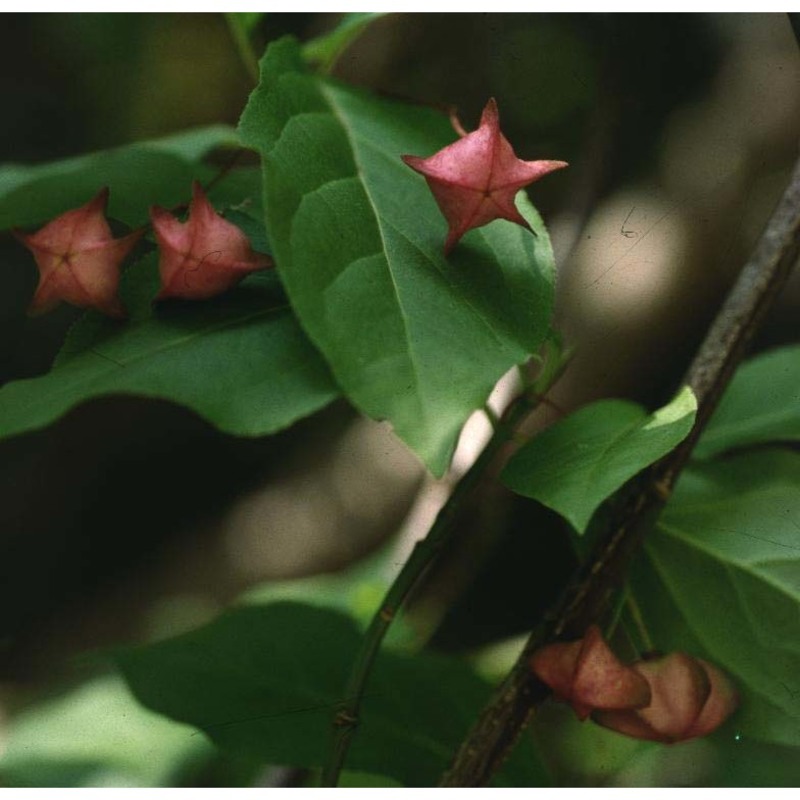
{"x": 690, "y": 698}
{"x": 589, "y": 676}
{"x": 204, "y": 256}
{"x": 475, "y": 179}
{"x": 79, "y": 260}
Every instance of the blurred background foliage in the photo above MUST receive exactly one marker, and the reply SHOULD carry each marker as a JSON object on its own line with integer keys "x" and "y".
{"x": 131, "y": 520}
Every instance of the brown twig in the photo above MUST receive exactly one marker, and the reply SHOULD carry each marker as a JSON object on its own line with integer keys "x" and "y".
{"x": 638, "y": 505}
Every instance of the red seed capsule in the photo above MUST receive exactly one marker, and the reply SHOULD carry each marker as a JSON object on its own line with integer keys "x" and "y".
{"x": 476, "y": 179}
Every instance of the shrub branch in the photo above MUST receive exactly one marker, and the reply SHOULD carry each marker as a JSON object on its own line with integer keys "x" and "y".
{"x": 637, "y": 506}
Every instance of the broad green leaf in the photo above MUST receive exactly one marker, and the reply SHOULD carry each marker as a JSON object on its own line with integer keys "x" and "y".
{"x": 411, "y": 337}
{"x": 266, "y": 680}
{"x": 720, "y": 577}
{"x": 325, "y": 49}
{"x": 586, "y": 755}
{"x": 139, "y": 175}
{"x": 573, "y": 466}
{"x": 761, "y": 404}
{"x": 97, "y": 735}
{"x": 239, "y": 360}
{"x": 194, "y": 144}
{"x": 723, "y": 759}
{"x": 366, "y": 780}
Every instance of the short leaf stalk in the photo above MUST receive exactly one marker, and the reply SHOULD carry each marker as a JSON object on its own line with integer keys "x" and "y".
{"x": 638, "y": 620}
{"x": 243, "y": 45}
{"x": 423, "y": 555}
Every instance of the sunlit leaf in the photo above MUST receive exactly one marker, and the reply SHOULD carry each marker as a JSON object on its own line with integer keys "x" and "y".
{"x": 411, "y": 337}
{"x": 573, "y": 466}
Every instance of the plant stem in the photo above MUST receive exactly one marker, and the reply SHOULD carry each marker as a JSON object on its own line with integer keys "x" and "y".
{"x": 241, "y": 38}
{"x": 636, "y": 508}
{"x": 638, "y": 620}
{"x": 423, "y": 555}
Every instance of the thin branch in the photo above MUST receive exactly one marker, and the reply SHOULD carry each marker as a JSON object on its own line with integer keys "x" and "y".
{"x": 241, "y": 38}
{"x": 638, "y": 620}
{"x": 637, "y": 507}
{"x": 423, "y": 555}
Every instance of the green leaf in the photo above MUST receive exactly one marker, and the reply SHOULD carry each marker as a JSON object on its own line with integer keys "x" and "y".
{"x": 239, "y": 360}
{"x": 366, "y": 780}
{"x": 720, "y": 577}
{"x": 139, "y": 175}
{"x": 411, "y": 337}
{"x": 97, "y": 735}
{"x": 193, "y": 144}
{"x": 239, "y": 191}
{"x": 723, "y": 759}
{"x": 761, "y": 404}
{"x": 327, "y": 48}
{"x": 584, "y": 754}
{"x": 573, "y": 466}
{"x": 266, "y": 681}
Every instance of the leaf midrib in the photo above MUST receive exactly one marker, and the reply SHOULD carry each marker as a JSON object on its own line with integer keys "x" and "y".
{"x": 477, "y": 313}
{"x": 355, "y": 142}
{"x": 629, "y": 429}
{"x": 412, "y": 357}
{"x": 180, "y": 341}
{"x": 89, "y": 374}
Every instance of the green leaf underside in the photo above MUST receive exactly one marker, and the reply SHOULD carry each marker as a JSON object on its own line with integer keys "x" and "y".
{"x": 139, "y": 175}
{"x": 576, "y": 464}
{"x": 96, "y": 735}
{"x": 762, "y": 404}
{"x": 241, "y": 360}
{"x": 411, "y": 337}
{"x": 720, "y": 577}
{"x": 265, "y": 681}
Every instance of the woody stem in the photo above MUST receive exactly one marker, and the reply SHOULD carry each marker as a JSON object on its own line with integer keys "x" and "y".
{"x": 425, "y": 552}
